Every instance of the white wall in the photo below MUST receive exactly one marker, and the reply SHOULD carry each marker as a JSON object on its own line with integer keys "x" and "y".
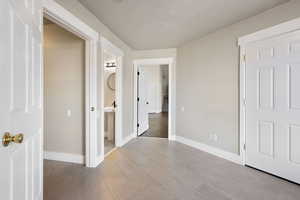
{"x": 64, "y": 90}
{"x": 208, "y": 80}
{"x": 158, "y": 53}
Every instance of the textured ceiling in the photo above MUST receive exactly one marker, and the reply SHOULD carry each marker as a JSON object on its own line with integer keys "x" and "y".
{"x": 155, "y": 24}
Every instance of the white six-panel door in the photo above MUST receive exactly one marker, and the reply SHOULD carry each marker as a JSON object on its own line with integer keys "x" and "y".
{"x": 273, "y": 105}
{"x": 21, "y": 99}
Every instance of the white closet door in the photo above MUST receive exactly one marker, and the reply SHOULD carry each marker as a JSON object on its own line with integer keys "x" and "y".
{"x": 273, "y": 105}
{"x": 143, "y": 118}
{"x": 21, "y": 99}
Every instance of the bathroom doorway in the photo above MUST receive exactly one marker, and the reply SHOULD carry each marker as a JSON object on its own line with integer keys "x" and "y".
{"x": 110, "y": 66}
{"x": 111, "y": 82}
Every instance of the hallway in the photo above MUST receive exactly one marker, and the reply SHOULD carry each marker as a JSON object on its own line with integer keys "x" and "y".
{"x": 156, "y": 169}
{"x": 158, "y": 125}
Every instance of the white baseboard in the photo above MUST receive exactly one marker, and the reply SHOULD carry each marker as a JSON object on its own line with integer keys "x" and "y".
{"x": 128, "y": 138}
{"x": 172, "y": 137}
{"x": 209, "y": 149}
{"x": 157, "y": 111}
{"x": 64, "y": 157}
{"x": 99, "y": 160}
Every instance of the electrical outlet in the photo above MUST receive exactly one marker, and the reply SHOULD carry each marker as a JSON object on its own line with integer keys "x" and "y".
{"x": 69, "y": 113}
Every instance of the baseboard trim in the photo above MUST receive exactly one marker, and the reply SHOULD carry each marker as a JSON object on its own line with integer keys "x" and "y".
{"x": 64, "y": 157}
{"x": 172, "y": 137}
{"x": 209, "y": 149}
{"x": 99, "y": 160}
{"x": 155, "y": 111}
{"x": 128, "y": 138}
{"x": 108, "y": 153}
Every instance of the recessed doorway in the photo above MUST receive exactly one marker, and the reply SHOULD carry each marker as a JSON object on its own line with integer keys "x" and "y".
{"x": 112, "y": 60}
{"x": 153, "y": 100}
{"x": 64, "y": 94}
{"x": 154, "y": 97}
{"x": 110, "y": 66}
{"x": 87, "y": 82}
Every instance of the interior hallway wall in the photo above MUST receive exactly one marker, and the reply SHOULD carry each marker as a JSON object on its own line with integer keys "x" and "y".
{"x": 87, "y": 17}
{"x": 208, "y": 80}
{"x": 64, "y": 64}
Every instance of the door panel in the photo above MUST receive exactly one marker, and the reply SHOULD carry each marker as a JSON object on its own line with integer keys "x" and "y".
{"x": 272, "y": 107}
{"x": 294, "y": 82}
{"x": 143, "y": 119}
{"x": 19, "y": 64}
{"x": 294, "y": 150}
{"x": 266, "y": 138}
{"x": 21, "y": 100}
{"x": 266, "y": 88}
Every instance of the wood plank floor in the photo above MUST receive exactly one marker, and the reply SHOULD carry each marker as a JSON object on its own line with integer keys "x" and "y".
{"x": 158, "y": 125}
{"x": 155, "y": 169}
{"x": 108, "y": 145}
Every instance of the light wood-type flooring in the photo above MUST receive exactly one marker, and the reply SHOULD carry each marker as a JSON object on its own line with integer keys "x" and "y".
{"x": 156, "y": 169}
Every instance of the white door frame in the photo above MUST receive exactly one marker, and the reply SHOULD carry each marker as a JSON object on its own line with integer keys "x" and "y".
{"x": 277, "y": 30}
{"x": 60, "y": 15}
{"x": 170, "y": 61}
{"x": 107, "y": 46}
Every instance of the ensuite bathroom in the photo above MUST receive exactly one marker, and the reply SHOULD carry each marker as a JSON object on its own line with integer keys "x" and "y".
{"x": 110, "y": 66}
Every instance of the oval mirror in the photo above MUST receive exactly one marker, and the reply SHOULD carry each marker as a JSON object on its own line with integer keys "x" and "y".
{"x": 111, "y": 81}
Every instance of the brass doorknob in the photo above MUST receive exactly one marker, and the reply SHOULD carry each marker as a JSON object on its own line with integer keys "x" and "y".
{"x": 8, "y": 138}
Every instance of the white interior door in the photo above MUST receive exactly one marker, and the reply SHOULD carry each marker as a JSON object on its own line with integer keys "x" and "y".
{"x": 21, "y": 99}
{"x": 143, "y": 119}
{"x": 273, "y": 105}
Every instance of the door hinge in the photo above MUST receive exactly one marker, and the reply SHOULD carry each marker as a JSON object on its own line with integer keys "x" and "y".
{"x": 244, "y": 102}
{"x": 138, "y": 73}
{"x": 244, "y": 147}
{"x": 138, "y": 99}
{"x": 138, "y": 125}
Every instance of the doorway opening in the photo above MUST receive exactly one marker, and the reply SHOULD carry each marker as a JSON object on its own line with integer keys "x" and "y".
{"x": 154, "y": 97}
{"x": 153, "y": 100}
{"x": 110, "y": 66}
{"x": 64, "y": 94}
{"x": 74, "y": 91}
{"x": 111, "y": 118}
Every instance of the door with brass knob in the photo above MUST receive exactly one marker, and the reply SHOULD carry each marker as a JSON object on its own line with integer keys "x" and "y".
{"x": 8, "y": 138}
{"x": 21, "y": 102}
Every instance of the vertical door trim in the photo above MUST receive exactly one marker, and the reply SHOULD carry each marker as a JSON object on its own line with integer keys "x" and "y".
{"x": 243, "y": 41}
{"x": 60, "y": 15}
{"x": 242, "y": 105}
